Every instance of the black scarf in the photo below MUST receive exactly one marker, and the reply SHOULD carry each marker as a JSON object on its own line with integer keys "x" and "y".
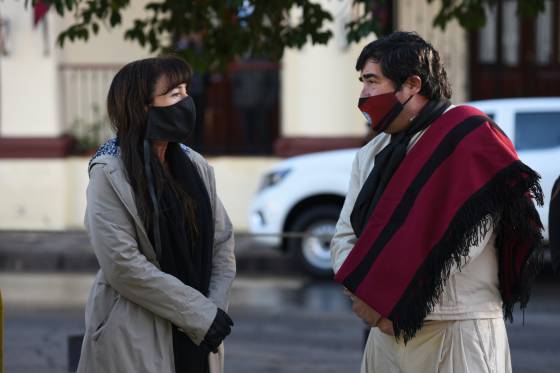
{"x": 386, "y": 163}
{"x": 188, "y": 259}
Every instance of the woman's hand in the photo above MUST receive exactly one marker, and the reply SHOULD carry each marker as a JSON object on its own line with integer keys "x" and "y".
{"x": 219, "y": 330}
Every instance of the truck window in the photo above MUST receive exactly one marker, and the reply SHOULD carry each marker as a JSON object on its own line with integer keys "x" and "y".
{"x": 537, "y": 130}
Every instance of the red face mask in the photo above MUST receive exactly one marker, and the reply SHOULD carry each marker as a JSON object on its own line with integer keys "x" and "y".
{"x": 381, "y": 110}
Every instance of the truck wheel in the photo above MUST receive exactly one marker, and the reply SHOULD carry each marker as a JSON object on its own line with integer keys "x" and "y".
{"x": 313, "y": 250}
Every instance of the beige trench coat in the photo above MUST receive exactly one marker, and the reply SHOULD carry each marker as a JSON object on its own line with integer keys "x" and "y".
{"x": 132, "y": 303}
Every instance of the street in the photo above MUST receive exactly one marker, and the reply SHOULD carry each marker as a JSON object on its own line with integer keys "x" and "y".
{"x": 283, "y": 324}
{"x": 397, "y": 142}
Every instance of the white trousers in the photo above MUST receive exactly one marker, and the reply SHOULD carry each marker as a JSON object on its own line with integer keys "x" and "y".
{"x": 457, "y": 346}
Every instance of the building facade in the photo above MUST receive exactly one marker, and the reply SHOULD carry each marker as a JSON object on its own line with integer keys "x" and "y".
{"x": 48, "y": 93}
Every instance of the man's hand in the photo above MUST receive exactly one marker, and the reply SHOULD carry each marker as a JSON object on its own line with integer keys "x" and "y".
{"x": 369, "y": 315}
{"x": 386, "y": 326}
{"x": 363, "y": 310}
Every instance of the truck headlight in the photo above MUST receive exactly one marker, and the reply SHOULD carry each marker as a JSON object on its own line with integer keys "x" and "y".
{"x": 273, "y": 178}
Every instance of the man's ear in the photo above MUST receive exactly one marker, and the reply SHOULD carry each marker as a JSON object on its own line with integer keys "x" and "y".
{"x": 414, "y": 83}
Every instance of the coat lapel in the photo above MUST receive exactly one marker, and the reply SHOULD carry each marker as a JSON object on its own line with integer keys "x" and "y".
{"x": 124, "y": 192}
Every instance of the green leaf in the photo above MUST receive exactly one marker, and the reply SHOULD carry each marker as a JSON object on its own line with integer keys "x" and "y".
{"x": 69, "y": 4}
{"x": 60, "y": 39}
{"x": 59, "y": 6}
{"x": 115, "y": 18}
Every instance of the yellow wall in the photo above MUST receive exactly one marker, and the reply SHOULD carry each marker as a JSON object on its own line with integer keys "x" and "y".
{"x": 50, "y": 194}
{"x": 34, "y": 194}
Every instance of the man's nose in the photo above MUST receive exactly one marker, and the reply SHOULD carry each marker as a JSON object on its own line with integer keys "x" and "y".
{"x": 364, "y": 92}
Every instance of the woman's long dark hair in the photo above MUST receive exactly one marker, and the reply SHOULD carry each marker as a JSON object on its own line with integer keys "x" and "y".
{"x": 132, "y": 91}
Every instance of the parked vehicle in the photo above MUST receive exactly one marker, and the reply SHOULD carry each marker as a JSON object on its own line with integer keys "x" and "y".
{"x": 299, "y": 199}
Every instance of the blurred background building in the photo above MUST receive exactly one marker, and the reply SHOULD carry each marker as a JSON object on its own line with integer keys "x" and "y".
{"x": 52, "y": 112}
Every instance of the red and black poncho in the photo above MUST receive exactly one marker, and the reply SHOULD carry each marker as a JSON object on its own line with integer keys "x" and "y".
{"x": 462, "y": 177}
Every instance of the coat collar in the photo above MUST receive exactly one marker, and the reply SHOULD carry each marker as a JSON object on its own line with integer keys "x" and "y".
{"x": 108, "y": 155}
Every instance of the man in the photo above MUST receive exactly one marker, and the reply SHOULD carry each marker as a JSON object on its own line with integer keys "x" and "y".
{"x": 554, "y": 227}
{"x": 438, "y": 235}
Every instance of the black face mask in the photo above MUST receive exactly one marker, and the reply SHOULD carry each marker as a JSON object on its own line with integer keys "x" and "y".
{"x": 173, "y": 123}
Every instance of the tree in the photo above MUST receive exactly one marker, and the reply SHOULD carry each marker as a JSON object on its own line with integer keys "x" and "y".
{"x": 239, "y": 28}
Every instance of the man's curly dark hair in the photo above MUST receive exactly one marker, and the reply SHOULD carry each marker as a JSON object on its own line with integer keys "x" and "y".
{"x": 404, "y": 54}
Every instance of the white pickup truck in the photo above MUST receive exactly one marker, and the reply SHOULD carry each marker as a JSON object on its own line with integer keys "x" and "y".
{"x": 300, "y": 198}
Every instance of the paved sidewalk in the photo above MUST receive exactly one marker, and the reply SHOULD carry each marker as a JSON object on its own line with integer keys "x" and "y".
{"x": 265, "y": 339}
{"x": 62, "y": 290}
{"x": 70, "y": 251}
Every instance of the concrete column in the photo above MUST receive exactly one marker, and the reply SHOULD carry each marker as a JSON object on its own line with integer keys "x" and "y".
{"x": 320, "y": 86}
{"x": 28, "y": 75}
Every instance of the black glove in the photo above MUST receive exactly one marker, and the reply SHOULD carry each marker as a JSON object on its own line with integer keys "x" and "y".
{"x": 220, "y": 328}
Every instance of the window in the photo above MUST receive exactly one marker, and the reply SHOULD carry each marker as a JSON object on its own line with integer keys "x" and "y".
{"x": 543, "y": 35}
{"x": 510, "y": 34}
{"x": 513, "y": 55}
{"x": 487, "y": 52}
{"x": 537, "y": 130}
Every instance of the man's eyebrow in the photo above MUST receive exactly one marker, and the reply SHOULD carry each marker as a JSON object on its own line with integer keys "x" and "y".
{"x": 368, "y": 76}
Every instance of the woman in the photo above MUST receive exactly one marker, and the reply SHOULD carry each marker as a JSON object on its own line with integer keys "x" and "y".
{"x": 162, "y": 237}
